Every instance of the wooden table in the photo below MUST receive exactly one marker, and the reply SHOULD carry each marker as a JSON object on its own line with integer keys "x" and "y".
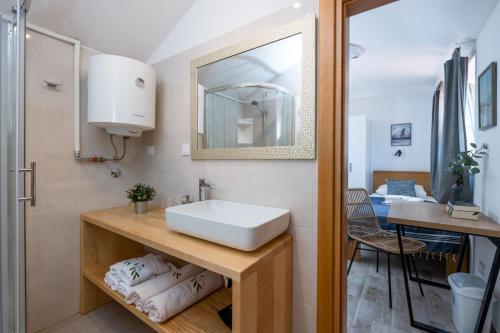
{"x": 261, "y": 293}
{"x": 435, "y": 216}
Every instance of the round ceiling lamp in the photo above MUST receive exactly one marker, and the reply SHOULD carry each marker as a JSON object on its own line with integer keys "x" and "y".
{"x": 355, "y": 51}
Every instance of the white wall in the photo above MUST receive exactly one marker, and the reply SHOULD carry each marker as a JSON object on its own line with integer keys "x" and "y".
{"x": 359, "y": 154}
{"x": 381, "y": 112}
{"x": 287, "y": 184}
{"x": 208, "y": 19}
{"x": 488, "y": 181}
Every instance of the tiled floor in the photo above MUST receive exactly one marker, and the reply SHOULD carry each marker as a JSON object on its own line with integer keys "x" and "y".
{"x": 111, "y": 318}
{"x": 368, "y": 300}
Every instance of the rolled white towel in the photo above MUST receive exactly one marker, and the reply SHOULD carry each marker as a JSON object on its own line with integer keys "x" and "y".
{"x": 111, "y": 280}
{"x": 136, "y": 270}
{"x": 176, "y": 299}
{"x": 129, "y": 292}
{"x": 116, "y": 268}
{"x": 124, "y": 289}
{"x": 140, "y": 293}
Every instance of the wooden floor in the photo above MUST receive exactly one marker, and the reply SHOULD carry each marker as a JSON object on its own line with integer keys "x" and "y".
{"x": 368, "y": 300}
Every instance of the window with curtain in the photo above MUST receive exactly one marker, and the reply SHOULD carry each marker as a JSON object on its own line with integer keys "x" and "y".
{"x": 471, "y": 101}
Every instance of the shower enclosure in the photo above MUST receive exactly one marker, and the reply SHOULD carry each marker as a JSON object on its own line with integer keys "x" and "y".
{"x": 249, "y": 114}
{"x": 12, "y": 168}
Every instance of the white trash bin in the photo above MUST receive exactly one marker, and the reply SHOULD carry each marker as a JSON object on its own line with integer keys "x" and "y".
{"x": 466, "y": 294}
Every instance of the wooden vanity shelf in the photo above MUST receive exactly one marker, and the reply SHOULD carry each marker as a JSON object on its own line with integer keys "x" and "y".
{"x": 262, "y": 280}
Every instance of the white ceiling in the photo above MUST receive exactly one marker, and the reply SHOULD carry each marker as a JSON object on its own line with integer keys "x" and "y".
{"x": 209, "y": 19}
{"x": 408, "y": 41}
{"x": 132, "y": 28}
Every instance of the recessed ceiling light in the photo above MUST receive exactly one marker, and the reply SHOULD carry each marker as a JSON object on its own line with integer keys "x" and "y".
{"x": 28, "y": 36}
{"x": 355, "y": 51}
{"x": 296, "y": 5}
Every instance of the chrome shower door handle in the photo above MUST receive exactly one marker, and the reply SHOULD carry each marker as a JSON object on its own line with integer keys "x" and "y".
{"x": 32, "y": 170}
{"x": 52, "y": 84}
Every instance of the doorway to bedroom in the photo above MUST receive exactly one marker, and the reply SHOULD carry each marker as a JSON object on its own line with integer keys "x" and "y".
{"x": 412, "y": 106}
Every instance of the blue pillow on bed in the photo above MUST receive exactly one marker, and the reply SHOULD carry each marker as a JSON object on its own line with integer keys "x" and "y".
{"x": 401, "y": 187}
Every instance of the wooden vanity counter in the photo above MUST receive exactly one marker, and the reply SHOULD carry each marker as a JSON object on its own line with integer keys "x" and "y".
{"x": 262, "y": 280}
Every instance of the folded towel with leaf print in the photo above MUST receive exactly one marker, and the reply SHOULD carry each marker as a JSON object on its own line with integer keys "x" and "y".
{"x": 178, "y": 298}
{"x": 136, "y": 270}
{"x": 139, "y": 294}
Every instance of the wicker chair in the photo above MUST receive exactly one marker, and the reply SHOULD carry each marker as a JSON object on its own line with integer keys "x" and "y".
{"x": 364, "y": 228}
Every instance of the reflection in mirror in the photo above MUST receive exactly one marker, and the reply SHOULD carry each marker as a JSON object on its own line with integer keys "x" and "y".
{"x": 256, "y": 99}
{"x": 251, "y": 99}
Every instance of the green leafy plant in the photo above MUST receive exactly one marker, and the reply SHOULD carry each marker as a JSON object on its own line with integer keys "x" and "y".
{"x": 141, "y": 192}
{"x": 466, "y": 162}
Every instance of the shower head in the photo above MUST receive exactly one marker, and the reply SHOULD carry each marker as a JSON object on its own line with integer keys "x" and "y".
{"x": 255, "y": 103}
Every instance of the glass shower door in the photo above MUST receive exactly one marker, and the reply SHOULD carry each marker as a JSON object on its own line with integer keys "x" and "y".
{"x": 12, "y": 170}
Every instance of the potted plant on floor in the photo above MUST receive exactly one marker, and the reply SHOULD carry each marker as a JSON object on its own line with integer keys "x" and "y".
{"x": 140, "y": 195}
{"x": 463, "y": 167}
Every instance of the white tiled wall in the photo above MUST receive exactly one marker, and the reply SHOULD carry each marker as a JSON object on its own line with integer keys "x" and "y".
{"x": 65, "y": 188}
{"x": 287, "y": 184}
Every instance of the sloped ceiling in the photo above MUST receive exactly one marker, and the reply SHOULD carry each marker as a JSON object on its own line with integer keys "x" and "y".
{"x": 131, "y": 28}
{"x": 408, "y": 41}
{"x": 209, "y": 19}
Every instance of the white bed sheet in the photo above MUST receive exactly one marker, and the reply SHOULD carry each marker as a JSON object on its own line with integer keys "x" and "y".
{"x": 389, "y": 198}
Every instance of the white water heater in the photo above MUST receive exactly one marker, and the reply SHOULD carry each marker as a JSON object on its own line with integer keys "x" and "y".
{"x": 121, "y": 95}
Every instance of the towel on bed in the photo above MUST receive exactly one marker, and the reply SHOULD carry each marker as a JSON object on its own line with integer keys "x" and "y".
{"x": 140, "y": 293}
{"x": 134, "y": 271}
{"x": 174, "y": 300}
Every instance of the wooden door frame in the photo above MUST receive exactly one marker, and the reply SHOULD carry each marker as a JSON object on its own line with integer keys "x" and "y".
{"x": 332, "y": 162}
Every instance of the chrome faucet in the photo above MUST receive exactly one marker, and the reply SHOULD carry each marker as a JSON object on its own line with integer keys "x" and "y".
{"x": 203, "y": 189}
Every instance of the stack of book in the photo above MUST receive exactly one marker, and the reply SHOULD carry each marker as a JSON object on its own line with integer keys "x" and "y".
{"x": 463, "y": 210}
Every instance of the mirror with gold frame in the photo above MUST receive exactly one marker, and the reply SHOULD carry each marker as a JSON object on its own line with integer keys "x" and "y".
{"x": 256, "y": 99}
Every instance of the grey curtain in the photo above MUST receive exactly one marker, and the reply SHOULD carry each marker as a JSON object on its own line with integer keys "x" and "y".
{"x": 448, "y": 125}
{"x": 436, "y": 100}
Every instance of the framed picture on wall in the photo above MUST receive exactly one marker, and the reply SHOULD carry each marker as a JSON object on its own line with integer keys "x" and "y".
{"x": 487, "y": 97}
{"x": 401, "y": 134}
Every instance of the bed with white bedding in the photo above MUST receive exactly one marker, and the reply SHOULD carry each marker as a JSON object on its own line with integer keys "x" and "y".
{"x": 440, "y": 244}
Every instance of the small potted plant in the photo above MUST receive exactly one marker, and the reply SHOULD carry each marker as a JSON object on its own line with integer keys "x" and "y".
{"x": 465, "y": 165}
{"x": 140, "y": 195}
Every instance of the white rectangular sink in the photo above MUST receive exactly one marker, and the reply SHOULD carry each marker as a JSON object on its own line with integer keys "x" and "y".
{"x": 240, "y": 226}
